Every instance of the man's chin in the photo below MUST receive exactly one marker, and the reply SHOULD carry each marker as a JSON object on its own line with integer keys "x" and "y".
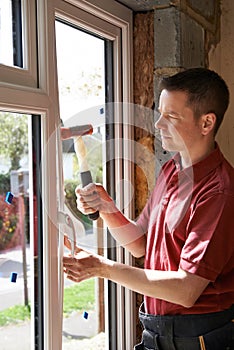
{"x": 166, "y": 146}
{"x": 169, "y": 148}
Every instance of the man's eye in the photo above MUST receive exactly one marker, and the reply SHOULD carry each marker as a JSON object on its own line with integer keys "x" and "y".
{"x": 172, "y": 116}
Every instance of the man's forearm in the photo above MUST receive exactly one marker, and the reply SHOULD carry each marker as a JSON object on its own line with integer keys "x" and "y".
{"x": 127, "y": 233}
{"x": 177, "y": 287}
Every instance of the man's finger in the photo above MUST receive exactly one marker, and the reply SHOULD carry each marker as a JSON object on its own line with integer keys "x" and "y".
{"x": 68, "y": 261}
{"x": 67, "y": 243}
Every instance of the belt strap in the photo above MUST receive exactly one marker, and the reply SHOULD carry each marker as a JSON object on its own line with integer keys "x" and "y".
{"x": 185, "y": 325}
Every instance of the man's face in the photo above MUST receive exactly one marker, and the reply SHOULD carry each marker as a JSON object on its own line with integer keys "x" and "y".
{"x": 179, "y": 130}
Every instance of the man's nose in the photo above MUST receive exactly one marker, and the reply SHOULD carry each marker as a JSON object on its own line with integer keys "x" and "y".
{"x": 159, "y": 124}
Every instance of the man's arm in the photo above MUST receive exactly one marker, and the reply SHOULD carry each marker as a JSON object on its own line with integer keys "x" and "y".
{"x": 179, "y": 287}
{"x": 126, "y": 232}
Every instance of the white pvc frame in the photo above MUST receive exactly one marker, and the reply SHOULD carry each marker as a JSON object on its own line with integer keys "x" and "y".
{"x": 34, "y": 90}
{"x": 26, "y": 76}
{"x": 93, "y": 16}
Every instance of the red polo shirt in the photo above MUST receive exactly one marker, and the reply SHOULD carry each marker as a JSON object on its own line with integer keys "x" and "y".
{"x": 190, "y": 223}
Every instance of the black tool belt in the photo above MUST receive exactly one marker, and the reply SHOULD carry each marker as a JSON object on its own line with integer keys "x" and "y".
{"x": 213, "y": 331}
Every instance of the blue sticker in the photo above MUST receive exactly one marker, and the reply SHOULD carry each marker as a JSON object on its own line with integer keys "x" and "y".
{"x": 101, "y": 110}
{"x": 85, "y": 315}
{"x": 9, "y": 197}
{"x": 13, "y": 277}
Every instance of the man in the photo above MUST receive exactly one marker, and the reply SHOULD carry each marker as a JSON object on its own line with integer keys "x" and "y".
{"x": 185, "y": 230}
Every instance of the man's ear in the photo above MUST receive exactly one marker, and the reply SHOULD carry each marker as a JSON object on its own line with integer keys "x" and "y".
{"x": 208, "y": 123}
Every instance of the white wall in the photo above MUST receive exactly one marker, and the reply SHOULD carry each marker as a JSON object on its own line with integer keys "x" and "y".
{"x": 221, "y": 59}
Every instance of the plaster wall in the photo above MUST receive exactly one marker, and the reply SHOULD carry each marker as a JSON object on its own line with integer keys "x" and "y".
{"x": 221, "y": 59}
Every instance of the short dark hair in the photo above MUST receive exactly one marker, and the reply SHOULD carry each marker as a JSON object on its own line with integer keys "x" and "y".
{"x": 207, "y": 91}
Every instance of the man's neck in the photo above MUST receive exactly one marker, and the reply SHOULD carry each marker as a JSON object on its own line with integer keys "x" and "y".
{"x": 188, "y": 159}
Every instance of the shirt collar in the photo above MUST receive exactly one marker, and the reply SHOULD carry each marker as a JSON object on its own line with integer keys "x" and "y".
{"x": 200, "y": 169}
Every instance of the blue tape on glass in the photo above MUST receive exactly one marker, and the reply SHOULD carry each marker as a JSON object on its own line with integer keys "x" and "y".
{"x": 9, "y": 197}
{"x": 13, "y": 277}
{"x": 85, "y": 315}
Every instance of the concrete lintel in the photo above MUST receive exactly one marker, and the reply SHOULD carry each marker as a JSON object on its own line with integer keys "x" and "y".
{"x": 167, "y": 37}
{"x": 179, "y": 40}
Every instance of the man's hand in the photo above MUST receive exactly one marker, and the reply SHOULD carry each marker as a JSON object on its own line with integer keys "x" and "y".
{"x": 83, "y": 265}
{"x": 179, "y": 287}
{"x": 92, "y": 198}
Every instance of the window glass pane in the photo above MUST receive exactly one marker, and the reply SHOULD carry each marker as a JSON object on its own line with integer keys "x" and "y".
{"x": 11, "y": 33}
{"x": 81, "y": 78}
{"x": 16, "y": 272}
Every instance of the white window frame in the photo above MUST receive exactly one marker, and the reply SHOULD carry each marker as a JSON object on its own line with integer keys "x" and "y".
{"x": 34, "y": 90}
{"x": 26, "y": 76}
{"x": 90, "y": 16}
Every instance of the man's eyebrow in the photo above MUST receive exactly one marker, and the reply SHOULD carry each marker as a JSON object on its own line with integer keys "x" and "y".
{"x": 170, "y": 112}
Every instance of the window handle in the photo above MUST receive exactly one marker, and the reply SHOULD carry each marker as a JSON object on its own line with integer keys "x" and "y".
{"x": 64, "y": 219}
